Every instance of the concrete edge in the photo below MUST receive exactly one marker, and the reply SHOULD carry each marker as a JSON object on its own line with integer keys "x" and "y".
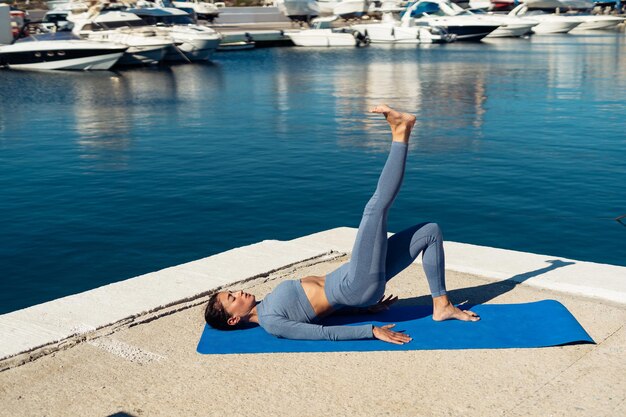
{"x": 82, "y": 333}
{"x": 42, "y": 329}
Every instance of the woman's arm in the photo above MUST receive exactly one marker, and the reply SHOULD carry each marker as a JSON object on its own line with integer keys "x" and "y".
{"x": 289, "y": 329}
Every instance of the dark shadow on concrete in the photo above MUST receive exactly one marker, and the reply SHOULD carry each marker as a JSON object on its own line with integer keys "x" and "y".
{"x": 121, "y": 414}
{"x": 481, "y": 294}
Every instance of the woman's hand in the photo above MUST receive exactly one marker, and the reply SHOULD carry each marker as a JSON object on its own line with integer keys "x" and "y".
{"x": 382, "y": 304}
{"x": 383, "y": 333}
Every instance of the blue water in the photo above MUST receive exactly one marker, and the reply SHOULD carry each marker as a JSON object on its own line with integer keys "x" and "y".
{"x": 519, "y": 144}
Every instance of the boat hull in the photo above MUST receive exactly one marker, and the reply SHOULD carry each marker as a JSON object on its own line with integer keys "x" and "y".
{"x": 550, "y": 27}
{"x": 52, "y": 57}
{"x": 144, "y": 55}
{"x": 192, "y": 49}
{"x": 351, "y": 9}
{"x": 468, "y": 33}
{"x": 385, "y": 33}
{"x": 599, "y": 24}
{"x": 322, "y": 38}
{"x": 298, "y": 10}
{"x": 512, "y": 30}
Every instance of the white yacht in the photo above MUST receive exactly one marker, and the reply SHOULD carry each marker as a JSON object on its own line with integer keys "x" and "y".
{"x": 440, "y": 13}
{"x": 548, "y": 23}
{"x": 145, "y": 45}
{"x": 581, "y": 9}
{"x": 392, "y": 30}
{"x": 193, "y": 42}
{"x": 511, "y": 26}
{"x": 598, "y": 22}
{"x": 61, "y": 55}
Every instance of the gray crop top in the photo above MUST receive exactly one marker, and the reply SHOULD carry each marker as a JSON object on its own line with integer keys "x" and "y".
{"x": 286, "y": 312}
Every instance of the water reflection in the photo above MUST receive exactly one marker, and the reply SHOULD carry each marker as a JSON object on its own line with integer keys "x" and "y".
{"x": 111, "y": 112}
{"x": 440, "y": 94}
{"x": 576, "y": 60}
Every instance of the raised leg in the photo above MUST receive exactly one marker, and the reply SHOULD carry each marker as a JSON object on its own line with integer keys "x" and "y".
{"x": 362, "y": 280}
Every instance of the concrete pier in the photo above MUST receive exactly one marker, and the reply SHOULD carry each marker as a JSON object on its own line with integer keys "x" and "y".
{"x": 129, "y": 347}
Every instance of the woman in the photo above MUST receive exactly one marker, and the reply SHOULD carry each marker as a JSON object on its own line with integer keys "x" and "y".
{"x": 293, "y": 309}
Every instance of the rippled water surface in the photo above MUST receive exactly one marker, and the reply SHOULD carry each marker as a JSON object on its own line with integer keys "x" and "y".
{"x": 519, "y": 144}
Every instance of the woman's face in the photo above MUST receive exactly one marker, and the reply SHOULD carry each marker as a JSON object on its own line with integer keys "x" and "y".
{"x": 237, "y": 304}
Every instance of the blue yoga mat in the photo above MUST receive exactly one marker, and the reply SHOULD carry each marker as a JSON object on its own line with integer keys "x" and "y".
{"x": 530, "y": 325}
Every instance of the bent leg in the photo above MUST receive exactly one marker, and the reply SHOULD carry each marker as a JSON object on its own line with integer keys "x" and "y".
{"x": 405, "y": 246}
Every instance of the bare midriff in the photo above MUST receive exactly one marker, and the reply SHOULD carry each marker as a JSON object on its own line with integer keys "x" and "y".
{"x": 314, "y": 289}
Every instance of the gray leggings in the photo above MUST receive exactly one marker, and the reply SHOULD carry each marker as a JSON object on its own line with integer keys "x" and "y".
{"x": 375, "y": 258}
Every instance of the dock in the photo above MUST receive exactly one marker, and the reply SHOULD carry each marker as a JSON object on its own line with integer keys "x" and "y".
{"x": 128, "y": 348}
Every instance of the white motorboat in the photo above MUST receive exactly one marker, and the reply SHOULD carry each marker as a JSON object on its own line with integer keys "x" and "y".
{"x": 577, "y": 10}
{"x": 61, "y": 55}
{"x": 548, "y": 23}
{"x": 299, "y": 10}
{"x": 321, "y": 35}
{"x": 511, "y": 26}
{"x": 193, "y": 42}
{"x": 598, "y": 22}
{"x": 145, "y": 45}
{"x": 465, "y": 27}
{"x": 392, "y": 30}
{"x": 392, "y": 33}
{"x": 351, "y": 9}
{"x": 204, "y": 10}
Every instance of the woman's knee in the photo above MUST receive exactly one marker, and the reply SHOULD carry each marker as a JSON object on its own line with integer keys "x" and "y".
{"x": 433, "y": 229}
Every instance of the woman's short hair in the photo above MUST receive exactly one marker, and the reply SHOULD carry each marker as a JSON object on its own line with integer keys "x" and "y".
{"x": 215, "y": 315}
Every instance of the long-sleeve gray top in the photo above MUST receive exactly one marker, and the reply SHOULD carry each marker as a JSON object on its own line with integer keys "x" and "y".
{"x": 286, "y": 312}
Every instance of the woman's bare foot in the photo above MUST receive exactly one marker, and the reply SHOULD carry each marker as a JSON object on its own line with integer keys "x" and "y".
{"x": 443, "y": 309}
{"x": 401, "y": 123}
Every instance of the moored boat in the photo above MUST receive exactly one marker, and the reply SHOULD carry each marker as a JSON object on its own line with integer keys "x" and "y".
{"x": 145, "y": 45}
{"x": 465, "y": 27}
{"x": 192, "y": 42}
{"x": 548, "y": 23}
{"x": 322, "y": 35}
{"x": 61, "y": 55}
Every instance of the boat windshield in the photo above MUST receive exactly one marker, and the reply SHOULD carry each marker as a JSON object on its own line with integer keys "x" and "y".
{"x": 118, "y": 24}
{"x": 535, "y": 13}
{"x": 427, "y": 8}
{"x": 51, "y": 17}
{"x": 167, "y": 20}
{"x": 55, "y": 36}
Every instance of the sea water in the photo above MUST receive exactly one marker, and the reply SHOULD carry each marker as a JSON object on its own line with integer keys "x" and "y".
{"x": 519, "y": 144}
